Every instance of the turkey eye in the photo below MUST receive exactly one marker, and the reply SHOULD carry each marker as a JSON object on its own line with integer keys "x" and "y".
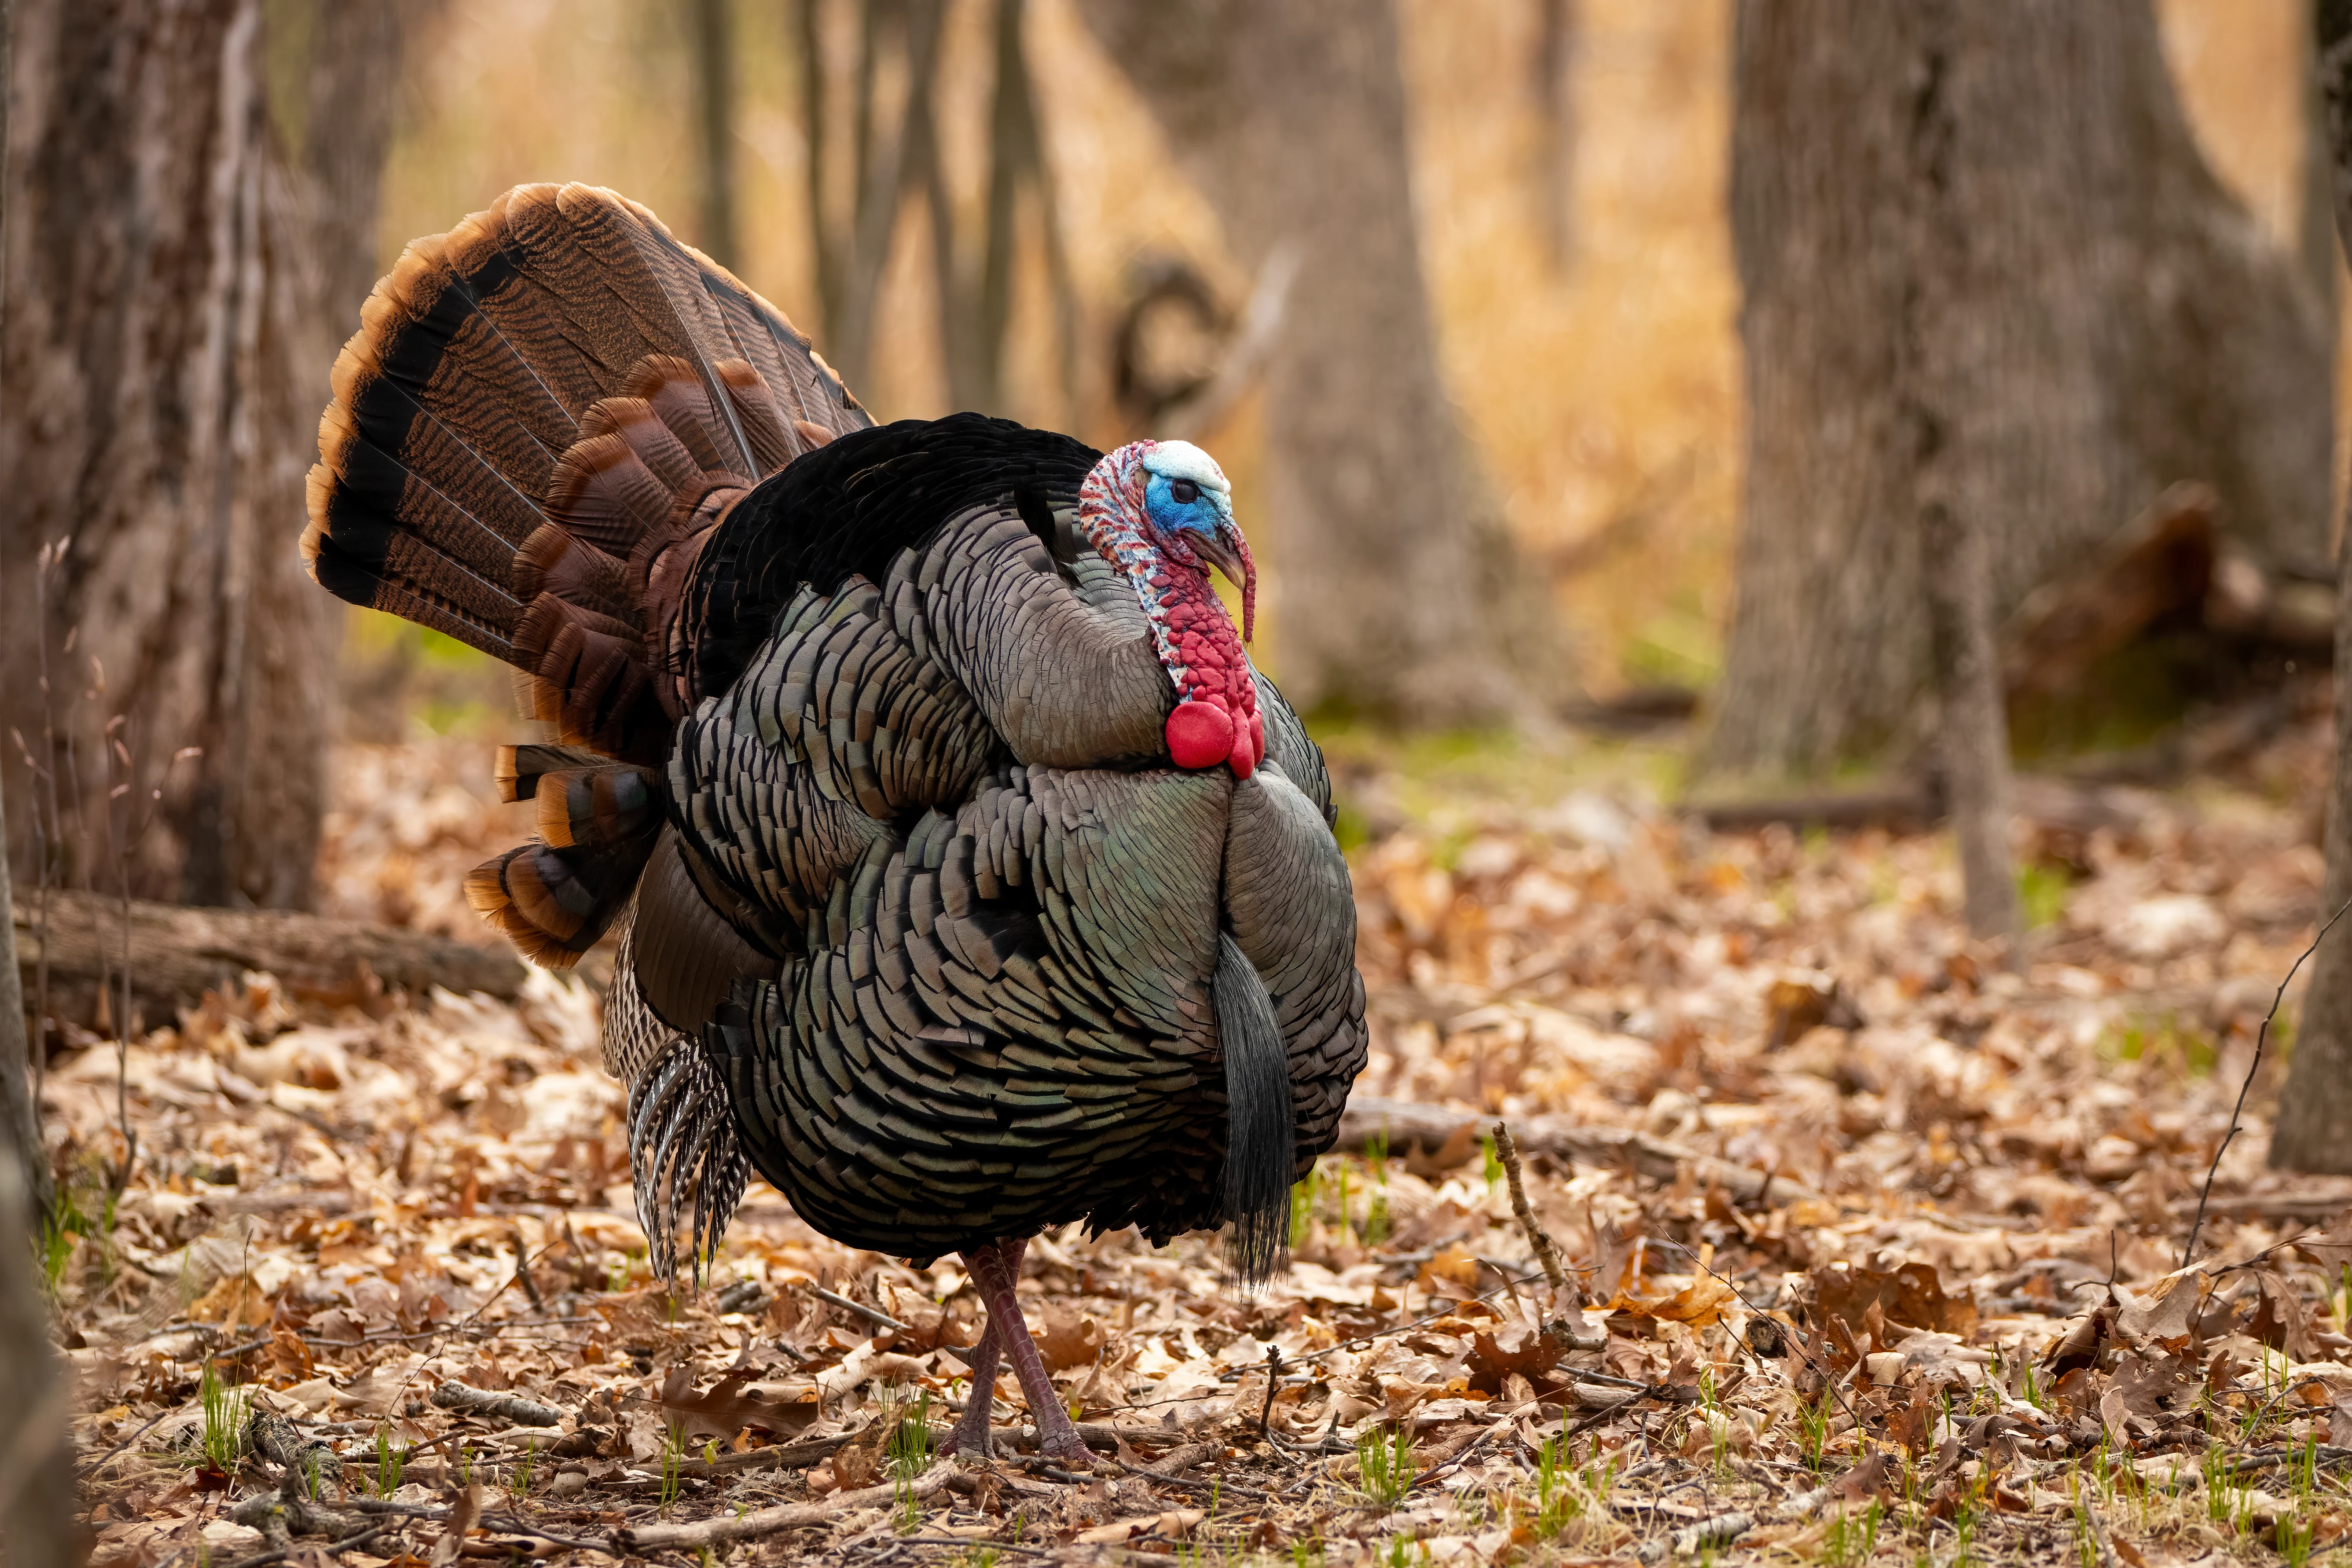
{"x": 1185, "y": 491}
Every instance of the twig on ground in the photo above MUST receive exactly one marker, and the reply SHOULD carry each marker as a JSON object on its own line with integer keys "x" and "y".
{"x": 108, "y": 1457}
{"x": 454, "y": 1396}
{"x": 2239, "y": 1109}
{"x": 1722, "y": 1529}
{"x": 348, "y": 1543}
{"x": 873, "y": 1315}
{"x": 1538, "y": 1242}
{"x": 643, "y": 1540}
{"x": 2323, "y": 1455}
{"x": 522, "y": 1270}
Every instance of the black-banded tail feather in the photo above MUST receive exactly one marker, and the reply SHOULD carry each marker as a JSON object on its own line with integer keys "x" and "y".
{"x": 557, "y": 361}
{"x": 598, "y": 820}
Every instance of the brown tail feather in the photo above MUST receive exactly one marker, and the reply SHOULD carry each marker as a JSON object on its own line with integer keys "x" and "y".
{"x": 598, "y": 821}
{"x": 558, "y": 359}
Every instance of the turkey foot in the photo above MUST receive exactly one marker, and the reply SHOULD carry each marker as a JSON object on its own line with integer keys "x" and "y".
{"x": 994, "y": 1267}
{"x": 971, "y": 1434}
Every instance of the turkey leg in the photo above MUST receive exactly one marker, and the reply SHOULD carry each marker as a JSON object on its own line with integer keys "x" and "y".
{"x": 971, "y": 1434}
{"x": 993, "y": 1268}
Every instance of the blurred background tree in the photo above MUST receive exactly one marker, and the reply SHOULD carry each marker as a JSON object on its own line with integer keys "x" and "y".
{"x": 2109, "y": 321}
{"x": 191, "y": 186}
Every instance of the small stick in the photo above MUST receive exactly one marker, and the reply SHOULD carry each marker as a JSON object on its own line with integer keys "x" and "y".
{"x": 873, "y": 1315}
{"x": 1540, "y": 1244}
{"x": 2260, "y": 1035}
{"x": 645, "y": 1540}
{"x": 522, "y": 1272}
{"x": 454, "y": 1396}
{"x": 1273, "y": 1381}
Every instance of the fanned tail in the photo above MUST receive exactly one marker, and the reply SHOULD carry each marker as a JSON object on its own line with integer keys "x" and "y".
{"x": 542, "y": 412}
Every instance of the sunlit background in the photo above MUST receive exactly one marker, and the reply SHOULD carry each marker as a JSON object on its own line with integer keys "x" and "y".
{"x": 1593, "y": 348}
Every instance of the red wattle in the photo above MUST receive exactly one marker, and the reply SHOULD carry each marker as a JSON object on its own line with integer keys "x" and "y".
{"x": 1200, "y": 735}
{"x": 1246, "y": 753}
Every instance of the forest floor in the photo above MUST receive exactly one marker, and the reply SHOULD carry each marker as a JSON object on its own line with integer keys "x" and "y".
{"x": 1953, "y": 1324}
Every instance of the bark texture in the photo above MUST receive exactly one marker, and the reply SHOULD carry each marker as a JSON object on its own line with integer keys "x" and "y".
{"x": 20, "y": 1119}
{"x": 2116, "y": 322}
{"x": 1935, "y": 372}
{"x": 37, "y": 1458}
{"x": 169, "y": 271}
{"x": 1398, "y": 592}
{"x": 2315, "y": 1119}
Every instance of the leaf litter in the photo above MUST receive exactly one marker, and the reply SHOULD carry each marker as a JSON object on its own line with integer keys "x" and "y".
{"x": 375, "y": 1288}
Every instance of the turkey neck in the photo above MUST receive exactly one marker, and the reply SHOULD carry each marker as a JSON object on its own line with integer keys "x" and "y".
{"x": 1191, "y": 632}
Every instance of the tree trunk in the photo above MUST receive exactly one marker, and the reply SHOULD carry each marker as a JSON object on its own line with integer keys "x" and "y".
{"x": 36, "y": 1472}
{"x": 1398, "y": 592}
{"x": 2315, "y": 1118}
{"x": 20, "y": 1114}
{"x": 2119, "y": 324}
{"x": 167, "y": 353}
{"x": 714, "y": 88}
{"x": 1935, "y": 373}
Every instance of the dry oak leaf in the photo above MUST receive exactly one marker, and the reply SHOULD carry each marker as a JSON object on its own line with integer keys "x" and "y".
{"x": 1912, "y": 1295}
{"x": 731, "y": 1406}
{"x": 1068, "y": 1338}
{"x": 2149, "y": 1385}
{"x": 2167, "y": 1314}
{"x": 1453, "y": 1266}
{"x": 1531, "y": 1356}
{"x": 1175, "y": 1523}
{"x": 2085, "y": 1343}
{"x": 2116, "y": 1418}
{"x": 1699, "y": 1303}
{"x": 462, "y": 1517}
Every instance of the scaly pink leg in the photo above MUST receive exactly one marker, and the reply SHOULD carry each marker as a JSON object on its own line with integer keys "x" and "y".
{"x": 971, "y": 1434}
{"x": 993, "y": 1270}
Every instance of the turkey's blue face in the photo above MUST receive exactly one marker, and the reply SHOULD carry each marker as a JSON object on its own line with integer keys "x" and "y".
{"x": 1190, "y": 504}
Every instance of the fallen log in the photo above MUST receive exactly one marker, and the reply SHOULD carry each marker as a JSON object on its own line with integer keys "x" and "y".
{"x": 1405, "y": 1125}
{"x": 177, "y": 955}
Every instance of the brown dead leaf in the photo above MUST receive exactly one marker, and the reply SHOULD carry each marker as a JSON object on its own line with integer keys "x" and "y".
{"x": 1452, "y": 1155}
{"x": 1530, "y": 1355}
{"x": 1176, "y": 1522}
{"x": 462, "y": 1516}
{"x": 2154, "y": 1385}
{"x": 1802, "y": 1001}
{"x": 1454, "y": 1266}
{"x": 2085, "y": 1343}
{"x": 1067, "y": 1338}
{"x": 1866, "y": 1480}
{"x": 2117, "y": 1419}
{"x": 1911, "y": 1294}
{"x": 2165, "y": 1315}
{"x": 731, "y": 1406}
{"x": 2281, "y": 1321}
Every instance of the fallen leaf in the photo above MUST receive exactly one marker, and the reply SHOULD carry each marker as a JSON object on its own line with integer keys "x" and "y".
{"x": 731, "y": 1406}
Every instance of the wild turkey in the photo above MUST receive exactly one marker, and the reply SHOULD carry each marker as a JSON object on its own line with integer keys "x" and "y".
{"x": 969, "y": 878}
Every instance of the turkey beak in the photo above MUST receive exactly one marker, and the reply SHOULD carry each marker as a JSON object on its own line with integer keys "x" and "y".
{"x": 1220, "y": 553}
{"x": 1231, "y": 555}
